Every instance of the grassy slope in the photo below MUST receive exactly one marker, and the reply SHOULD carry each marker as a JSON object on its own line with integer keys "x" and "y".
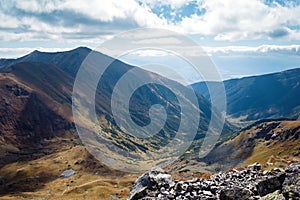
{"x": 253, "y": 144}
{"x": 32, "y": 170}
{"x": 40, "y": 178}
{"x": 277, "y": 152}
{"x": 256, "y": 145}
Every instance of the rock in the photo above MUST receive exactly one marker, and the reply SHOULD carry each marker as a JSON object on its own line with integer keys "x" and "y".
{"x": 291, "y": 184}
{"x": 270, "y": 184}
{"x": 273, "y": 196}
{"x": 140, "y": 186}
{"x": 151, "y": 182}
{"x": 235, "y": 193}
{"x": 251, "y": 183}
{"x": 255, "y": 166}
{"x": 207, "y": 193}
{"x": 158, "y": 176}
{"x": 67, "y": 173}
{"x": 295, "y": 154}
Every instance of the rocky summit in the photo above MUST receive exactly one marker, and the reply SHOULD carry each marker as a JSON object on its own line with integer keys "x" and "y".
{"x": 248, "y": 183}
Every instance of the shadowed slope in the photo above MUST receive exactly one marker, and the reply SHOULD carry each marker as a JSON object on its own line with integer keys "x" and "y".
{"x": 268, "y": 96}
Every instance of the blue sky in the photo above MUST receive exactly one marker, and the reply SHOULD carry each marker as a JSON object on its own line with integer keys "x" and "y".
{"x": 243, "y": 37}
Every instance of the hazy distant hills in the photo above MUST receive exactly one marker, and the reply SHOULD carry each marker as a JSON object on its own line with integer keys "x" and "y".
{"x": 268, "y": 96}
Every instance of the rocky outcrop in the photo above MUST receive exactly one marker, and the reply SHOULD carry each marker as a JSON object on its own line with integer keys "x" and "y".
{"x": 291, "y": 184}
{"x": 152, "y": 183}
{"x": 270, "y": 136}
{"x": 248, "y": 183}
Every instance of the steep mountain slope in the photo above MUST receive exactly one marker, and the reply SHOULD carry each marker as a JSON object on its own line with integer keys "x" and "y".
{"x": 38, "y": 140}
{"x": 268, "y": 96}
{"x": 70, "y": 61}
{"x": 32, "y": 104}
{"x": 36, "y": 125}
{"x": 272, "y": 143}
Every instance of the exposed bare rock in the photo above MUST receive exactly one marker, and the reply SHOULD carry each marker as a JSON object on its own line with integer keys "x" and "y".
{"x": 249, "y": 183}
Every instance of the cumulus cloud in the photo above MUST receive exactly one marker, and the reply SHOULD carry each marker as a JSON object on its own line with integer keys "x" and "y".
{"x": 62, "y": 19}
{"x": 172, "y": 3}
{"x": 238, "y": 20}
{"x": 228, "y": 20}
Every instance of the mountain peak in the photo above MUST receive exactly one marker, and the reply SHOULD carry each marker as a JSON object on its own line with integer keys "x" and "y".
{"x": 78, "y": 49}
{"x": 35, "y": 51}
{"x": 82, "y": 48}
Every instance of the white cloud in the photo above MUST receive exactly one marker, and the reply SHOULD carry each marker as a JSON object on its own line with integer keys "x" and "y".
{"x": 35, "y": 6}
{"x": 238, "y": 20}
{"x": 8, "y": 22}
{"x": 18, "y": 52}
{"x": 259, "y": 50}
{"x": 57, "y": 18}
{"x": 104, "y": 10}
{"x": 228, "y": 20}
{"x": 160, "y": 41}
{"x": 150, "y": 53}
{"x": 173, "y": 3}
{"x": 229, "y": 50}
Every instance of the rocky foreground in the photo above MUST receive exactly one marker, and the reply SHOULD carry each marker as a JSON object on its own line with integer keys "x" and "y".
{"x": 249, "y": 183}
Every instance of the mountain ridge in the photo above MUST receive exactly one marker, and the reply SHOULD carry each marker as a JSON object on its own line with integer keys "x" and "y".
{"x": 54, "y": 83}
{"x": 43, "y": 90}
{"x": 257, "y": 97}
{"x": 60, "y": 59}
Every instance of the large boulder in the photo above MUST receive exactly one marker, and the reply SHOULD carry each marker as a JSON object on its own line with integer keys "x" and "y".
{"x": 273, "y": 196}
{"x": 270, "y": 183}
{"x": 235, "y": 193}
{"x": 291, "y": 184}
{"x": 150, "y": 184}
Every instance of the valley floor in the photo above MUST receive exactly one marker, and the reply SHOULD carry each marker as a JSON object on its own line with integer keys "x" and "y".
{"x": 40, "y": 178}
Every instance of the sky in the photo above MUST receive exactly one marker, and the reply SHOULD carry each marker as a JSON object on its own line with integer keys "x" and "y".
{"x": 243, "y": 38}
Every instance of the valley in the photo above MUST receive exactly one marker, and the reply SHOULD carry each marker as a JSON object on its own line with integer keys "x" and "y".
{"x": 39, "y": 141}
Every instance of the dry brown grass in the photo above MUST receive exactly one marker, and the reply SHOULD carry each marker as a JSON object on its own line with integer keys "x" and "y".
{"x": 40, "y": 178}
{"x": 278, "y": 153}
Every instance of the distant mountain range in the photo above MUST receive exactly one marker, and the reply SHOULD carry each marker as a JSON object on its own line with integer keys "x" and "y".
{"x": 268, "y": 96}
